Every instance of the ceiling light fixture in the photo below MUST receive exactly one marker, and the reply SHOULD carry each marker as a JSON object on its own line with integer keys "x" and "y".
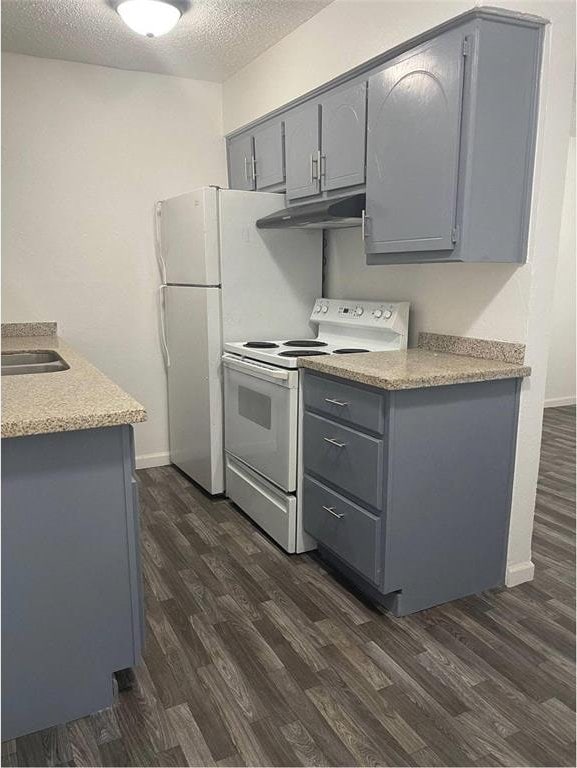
{"x": 149, "y": 17}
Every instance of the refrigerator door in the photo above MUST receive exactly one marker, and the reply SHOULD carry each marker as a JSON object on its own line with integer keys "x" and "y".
{"x": 189, "y": 243}
{"x": 195, "y": 410}
{"x": 270, "y": 277}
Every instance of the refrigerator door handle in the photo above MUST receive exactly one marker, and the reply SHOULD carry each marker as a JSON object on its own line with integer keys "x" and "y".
{"x": 158, "y": 241}
{"x": 161, "y": 302}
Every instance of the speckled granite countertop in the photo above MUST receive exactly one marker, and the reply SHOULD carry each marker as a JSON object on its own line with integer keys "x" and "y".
{"x": 79, "y": 398}
{"x": 413, "y": 368}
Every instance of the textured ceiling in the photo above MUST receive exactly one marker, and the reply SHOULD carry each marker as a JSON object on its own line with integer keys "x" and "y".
{"x": 212, "y": 40}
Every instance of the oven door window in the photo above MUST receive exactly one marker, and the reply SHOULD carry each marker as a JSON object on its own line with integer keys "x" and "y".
{"x": 255, "y": 406}
{"x": 261, "y": 424}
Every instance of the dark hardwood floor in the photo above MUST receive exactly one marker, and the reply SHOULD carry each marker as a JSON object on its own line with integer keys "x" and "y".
{"x": 257, "y": 658}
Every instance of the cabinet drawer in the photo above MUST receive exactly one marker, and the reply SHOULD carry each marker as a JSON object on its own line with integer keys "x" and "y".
{"x": 346, "y": 402}
{"x": 352, "y": 533}
{"x": 348, "y": 459}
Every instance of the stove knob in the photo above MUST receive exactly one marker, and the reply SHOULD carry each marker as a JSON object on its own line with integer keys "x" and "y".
{"x": 388, "y": 314}
{"x": 359, "y": 311}
{"x": 324, "y": 308}
{"x": 378, "y": 313}
{"x": 318, "y": 308}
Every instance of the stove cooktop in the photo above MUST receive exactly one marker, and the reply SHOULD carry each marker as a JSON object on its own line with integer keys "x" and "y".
{"x": 344, "y": 328}
{"x": 285, "y": 354}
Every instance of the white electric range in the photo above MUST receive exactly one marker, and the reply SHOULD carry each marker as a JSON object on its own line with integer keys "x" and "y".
{"x": 263, "y": 407}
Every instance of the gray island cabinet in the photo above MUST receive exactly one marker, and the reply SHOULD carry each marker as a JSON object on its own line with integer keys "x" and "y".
{"x": 72, "y": 613}
{"x": 408, "y": 492}
{"x": 71, "y": 594}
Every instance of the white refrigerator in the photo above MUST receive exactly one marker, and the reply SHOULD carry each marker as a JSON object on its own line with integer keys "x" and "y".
{"x": 224, "y": 280}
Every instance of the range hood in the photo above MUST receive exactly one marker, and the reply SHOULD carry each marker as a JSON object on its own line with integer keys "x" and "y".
{"x": 323, "y": 214}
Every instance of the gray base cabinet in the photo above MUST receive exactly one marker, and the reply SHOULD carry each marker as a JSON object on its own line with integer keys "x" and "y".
{"x": 413, "y": 509}
{"x": 71, "y": 589}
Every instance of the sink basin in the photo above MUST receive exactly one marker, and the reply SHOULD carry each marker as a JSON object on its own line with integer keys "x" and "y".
{"x": 38, "y": 361}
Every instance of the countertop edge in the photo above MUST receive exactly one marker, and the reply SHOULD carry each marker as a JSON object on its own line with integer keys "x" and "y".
{"x": 31, "y": 428}
{"x": 423, "y": 382}
{"x": 23, "y": 330}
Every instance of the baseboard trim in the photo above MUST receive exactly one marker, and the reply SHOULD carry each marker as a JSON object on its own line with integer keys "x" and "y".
{"x": 557, "y": 402}
{"x": 519, "y": 573}
{"x": 148, "y": 460}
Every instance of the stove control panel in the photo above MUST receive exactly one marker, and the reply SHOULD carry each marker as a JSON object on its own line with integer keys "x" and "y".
{"x": 369, "y": 314}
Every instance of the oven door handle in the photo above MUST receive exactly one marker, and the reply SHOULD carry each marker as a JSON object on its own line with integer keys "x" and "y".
{"x": 256, "y": 369}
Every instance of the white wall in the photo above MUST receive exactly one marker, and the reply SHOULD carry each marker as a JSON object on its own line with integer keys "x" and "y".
{"x": 86, "y": 151}
{"x": 483, "y": 300}
{"x": 492, "y": 301}
{"x": 560, "y": 389}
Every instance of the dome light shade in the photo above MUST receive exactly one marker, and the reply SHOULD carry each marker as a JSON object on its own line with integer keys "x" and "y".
{"x": 149, "y": 17}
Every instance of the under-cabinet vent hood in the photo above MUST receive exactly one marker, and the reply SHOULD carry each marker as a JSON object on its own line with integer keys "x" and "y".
{"x": 324, "y": 214}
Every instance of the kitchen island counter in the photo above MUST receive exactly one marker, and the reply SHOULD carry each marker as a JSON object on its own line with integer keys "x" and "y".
{"x": 70, "y": 536}
{"x": 78, "y": 398}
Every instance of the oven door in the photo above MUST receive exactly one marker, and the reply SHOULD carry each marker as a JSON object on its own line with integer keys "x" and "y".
{"x": 261, "y": 416}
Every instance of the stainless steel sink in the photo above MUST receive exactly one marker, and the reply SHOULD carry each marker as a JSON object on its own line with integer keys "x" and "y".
{"x": 38, "y": 361}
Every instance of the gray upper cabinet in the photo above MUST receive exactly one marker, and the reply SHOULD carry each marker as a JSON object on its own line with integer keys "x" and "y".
{"x": 241, "y": 164}
{"x": 302, "y": 151}
{"x": 325, "y": 143}
{"x": 440, "y": 133}
{"x": 269, "y": 154}
{"x": 451, "y": 145}
{"x": 413, "y": 149}
{"x": 344, "y": 122}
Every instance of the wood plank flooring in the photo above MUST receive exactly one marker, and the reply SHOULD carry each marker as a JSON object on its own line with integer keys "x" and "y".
{"x": 257, "y": 658}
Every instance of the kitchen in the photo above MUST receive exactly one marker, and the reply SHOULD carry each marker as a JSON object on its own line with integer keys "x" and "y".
{"x": 103, "y": 291}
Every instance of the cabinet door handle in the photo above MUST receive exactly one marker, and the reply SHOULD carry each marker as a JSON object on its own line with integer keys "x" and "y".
{"x": 314, "y": 167}
{"x": 253, "y": 164}
{"x": 338, "y": 515}
{"x": 341, "y": 403}
{"x": 334, "y": 442}
{"x": 246, "y": 176}
{"x": 323, "y": 166}
{"x": 364, "y": 221}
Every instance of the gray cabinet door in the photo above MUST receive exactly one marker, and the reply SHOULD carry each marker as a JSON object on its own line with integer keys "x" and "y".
{"x": 302, "y": 151}
{"x": 240, "y": 162}
{"x": 414, "y": 119}
{"x": 344, "y": 123}
{"x": 71, "y": 590}
{"x": 351, "y": 532}
{"x": 345, "y": 458}
{"x": 269, "y": 154}
{"x": 350, "y": 403}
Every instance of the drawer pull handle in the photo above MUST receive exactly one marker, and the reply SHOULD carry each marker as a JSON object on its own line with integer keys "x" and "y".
{"x": 341, "y": 403}
{"x": 332, "y": 441}
{"x": 338, "y": 515}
